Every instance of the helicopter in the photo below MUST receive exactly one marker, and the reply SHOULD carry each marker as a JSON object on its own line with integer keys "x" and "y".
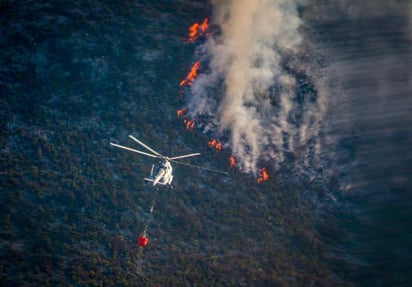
{"x": 162, "y": 172}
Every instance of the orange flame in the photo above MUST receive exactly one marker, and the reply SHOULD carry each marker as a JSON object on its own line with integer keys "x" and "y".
{"x": 189, "y": 124}
{"x": 262, "y": 175}
{"x": 196, "y": 30}
{"x": 180, "y": 112}
{"x": 190, "y": 77}
{"x": 232, "y": 162}
{"x": 215, "y": 144}
{"x": 204, "y": 25}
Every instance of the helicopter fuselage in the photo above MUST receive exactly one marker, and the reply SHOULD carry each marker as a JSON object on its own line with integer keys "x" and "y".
{"x": 161, "y": 173}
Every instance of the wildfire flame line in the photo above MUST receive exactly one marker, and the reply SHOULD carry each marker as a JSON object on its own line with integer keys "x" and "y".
{"x": 180, "y": 112}
{"x": 232, "y": 162}
{"x": 215, "y": 144}
{"x": 190, "y": 77}
{"x": 197, "y": 30}
{"x": 262, "y": 175}
{"x": 189, "y": 124}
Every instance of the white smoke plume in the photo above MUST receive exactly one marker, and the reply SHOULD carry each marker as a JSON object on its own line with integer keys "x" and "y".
{"x": 245, "y": 75}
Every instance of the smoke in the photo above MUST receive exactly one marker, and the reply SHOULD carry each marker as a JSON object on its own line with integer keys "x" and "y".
{"x": 252, "y": 95}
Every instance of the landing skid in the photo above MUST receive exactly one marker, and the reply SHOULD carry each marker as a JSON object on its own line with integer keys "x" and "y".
{"x": 147, "y": 180}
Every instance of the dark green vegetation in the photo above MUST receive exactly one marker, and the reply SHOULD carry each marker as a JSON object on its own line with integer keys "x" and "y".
{"x": 76, "y": 75}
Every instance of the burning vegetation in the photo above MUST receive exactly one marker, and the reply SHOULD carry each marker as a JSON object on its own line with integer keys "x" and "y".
{"x": 232, "y": 162}
{"x": 196, "y": 31}
{"x": 262, "y": 175}
{"x": 191, "y": 76}
{"x": 215, "y": 144}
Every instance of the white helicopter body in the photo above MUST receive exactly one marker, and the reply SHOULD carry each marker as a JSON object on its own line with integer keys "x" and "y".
{"x": 162, "y": 172}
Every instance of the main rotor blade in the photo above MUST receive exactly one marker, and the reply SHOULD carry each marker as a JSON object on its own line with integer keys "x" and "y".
{"x": 135, "y": 150}
{"x": 146, "y": 146}
{"x": 200, "y": 167}
{"x": 183, "y": 156}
